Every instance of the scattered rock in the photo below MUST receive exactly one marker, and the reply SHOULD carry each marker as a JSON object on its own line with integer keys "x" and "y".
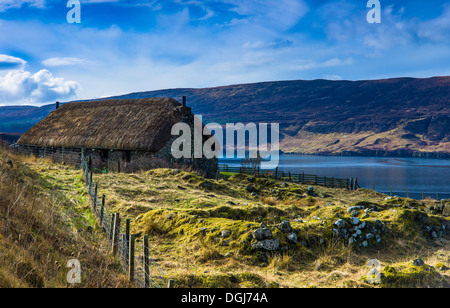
{"x": 285, "y": 226}
{"x": 355, "y": 221}
{"x": 355, "y": 208}
{"x": 206, "y": 185}
{"x": 267, "y": 245}
{"x": 226, "y": 233}
{"x": 292, "y": 238}
{"x": 262, "y": 234}
{"x": 339, "y": 223}
{"x": 250, "y": 188}
{"x": 311, "y": 192}
{"x": 354, "y": 213}
{"x": 418, "y": 262}
{"x": 446, "y": 210}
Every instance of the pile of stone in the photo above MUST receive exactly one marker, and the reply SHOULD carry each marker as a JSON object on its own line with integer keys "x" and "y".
{"x": 310, "y": 192}
{"x": 285, "y": 227}
{"x": 440, "y": 208}
{"x": 359, "y": 232}
{"x": 430, "y": 230}
{"x": 264, "y": 239}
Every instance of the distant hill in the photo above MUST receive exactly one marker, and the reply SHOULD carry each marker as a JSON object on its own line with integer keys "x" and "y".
{"x": 395, "y": 117}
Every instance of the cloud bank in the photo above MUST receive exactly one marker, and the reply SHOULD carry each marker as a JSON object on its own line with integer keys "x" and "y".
{"x": 20, "y": 87}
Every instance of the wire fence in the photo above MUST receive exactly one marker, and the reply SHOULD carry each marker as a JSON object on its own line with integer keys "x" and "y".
{"x": 302, "y": 178}
{"x": 142, "y": 270}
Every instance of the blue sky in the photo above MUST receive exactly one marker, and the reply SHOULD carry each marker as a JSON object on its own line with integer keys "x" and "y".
{"x": 124, "y": 46}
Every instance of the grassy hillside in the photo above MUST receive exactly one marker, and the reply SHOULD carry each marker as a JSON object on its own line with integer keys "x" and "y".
{"x": 45, "y": 223}
{"x": 207, "y": 233}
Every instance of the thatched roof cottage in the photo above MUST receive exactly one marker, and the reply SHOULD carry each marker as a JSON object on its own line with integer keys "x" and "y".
{"x": 118, "y": 134}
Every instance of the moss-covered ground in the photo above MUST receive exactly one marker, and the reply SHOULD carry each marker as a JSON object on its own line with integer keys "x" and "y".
{"x": 201, "y": 230}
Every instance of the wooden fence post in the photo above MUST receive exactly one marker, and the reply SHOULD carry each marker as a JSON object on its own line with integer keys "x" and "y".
{"x": 146, "y": 263}
{"x": 276, "y": 173}
{"x": 111, "y": 226}
{"x": 127, "y": 237}
{"x": 115, "y": 235}
{"x": 95, "y": 197}
{"x": 131, "y": 258}
{"x": 171, "y": 284}
{"x": 127, "y": 228}
{"x": 91, "y": 174}
{"x": 102, "y": 210}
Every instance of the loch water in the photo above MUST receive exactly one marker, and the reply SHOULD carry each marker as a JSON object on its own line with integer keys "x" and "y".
{"x": 429, "y": 177}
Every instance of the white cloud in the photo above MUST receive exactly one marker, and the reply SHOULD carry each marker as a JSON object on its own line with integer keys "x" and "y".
{"x": 15, "y": 4}
{"x": 332, "y": 77}
{"x": 436, "y": 30}
{"x": 63, "y": 61}
{"x": 281, "y": 14}
{"x": 329, "y": 63}
{"x": 10, "y": 62}
{"x": 23, "y": 87}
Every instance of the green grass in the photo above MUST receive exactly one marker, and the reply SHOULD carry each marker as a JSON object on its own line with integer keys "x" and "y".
{"x": 185, "y": 216}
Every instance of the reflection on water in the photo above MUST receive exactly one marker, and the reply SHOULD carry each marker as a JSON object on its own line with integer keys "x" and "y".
{"x": 418, "y": 175}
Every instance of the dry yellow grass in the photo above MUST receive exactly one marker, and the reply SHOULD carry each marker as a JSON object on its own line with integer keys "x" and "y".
{"x": 184, "y": 214}
{"x": 42, "y": 228}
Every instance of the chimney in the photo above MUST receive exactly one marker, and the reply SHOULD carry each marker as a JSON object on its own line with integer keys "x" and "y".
{"x": 184, "y": 101}
{"x": 57, "y": 105}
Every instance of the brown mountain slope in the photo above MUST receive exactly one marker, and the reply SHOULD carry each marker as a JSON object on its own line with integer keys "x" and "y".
{"x": 401, "y": 116}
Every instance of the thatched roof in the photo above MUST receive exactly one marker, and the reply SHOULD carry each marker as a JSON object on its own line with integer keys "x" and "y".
{"x": 121, "y": 124}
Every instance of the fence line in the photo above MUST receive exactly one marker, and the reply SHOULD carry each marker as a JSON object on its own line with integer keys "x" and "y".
{"x": 143, "y": 271}
{"x": 351, "y": 183}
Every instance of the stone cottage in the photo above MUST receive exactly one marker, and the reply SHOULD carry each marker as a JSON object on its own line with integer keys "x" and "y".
{"x": 123, "y": 135}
